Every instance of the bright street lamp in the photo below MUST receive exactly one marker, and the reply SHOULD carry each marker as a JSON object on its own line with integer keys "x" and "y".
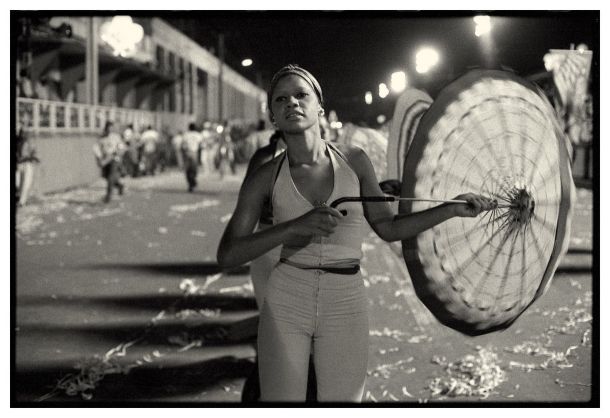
{"x": 425, "y": 59}
{"x": 246, "y": 63}
{"x": 383, "y": 90}
{"x": 398, "y": 81}
{"x": 483, "y": 25}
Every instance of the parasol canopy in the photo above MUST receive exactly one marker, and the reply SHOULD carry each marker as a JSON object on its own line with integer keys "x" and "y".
{"x": 492, "y": 133}
{"x": 410, "y": 107}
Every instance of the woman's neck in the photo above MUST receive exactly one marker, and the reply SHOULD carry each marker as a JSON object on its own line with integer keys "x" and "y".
{"x": 304, "y": 148}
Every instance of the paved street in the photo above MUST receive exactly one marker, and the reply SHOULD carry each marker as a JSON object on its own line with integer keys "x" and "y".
{"x": 125, "y": 302}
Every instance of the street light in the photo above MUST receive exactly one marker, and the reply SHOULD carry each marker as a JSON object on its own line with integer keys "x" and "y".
{"x": 383, "y": 90}
{"x": 398, "y": 81}
{"x": 483, "y": 25}
{"x": 425, "y": 59}
{"x": 368, "y": 97}
{"x": 246, "y": 62}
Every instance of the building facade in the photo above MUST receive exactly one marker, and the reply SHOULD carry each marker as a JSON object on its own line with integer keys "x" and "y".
{"x": 76, "y": 73}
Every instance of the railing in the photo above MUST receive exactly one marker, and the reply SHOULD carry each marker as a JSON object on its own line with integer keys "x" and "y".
{"x": 47, "y": 116}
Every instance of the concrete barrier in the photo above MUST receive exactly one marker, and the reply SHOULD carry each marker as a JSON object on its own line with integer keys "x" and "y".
{"x": 66, "y": 160}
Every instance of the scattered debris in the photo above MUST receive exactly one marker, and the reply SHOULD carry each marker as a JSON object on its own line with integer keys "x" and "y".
{"x": 473, "y": 375}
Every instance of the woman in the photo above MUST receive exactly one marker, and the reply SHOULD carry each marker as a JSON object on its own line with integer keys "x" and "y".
{"x": 315, "y": 297}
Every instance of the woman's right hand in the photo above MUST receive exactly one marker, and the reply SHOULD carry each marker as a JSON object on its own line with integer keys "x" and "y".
{"x": 318, "y": 221}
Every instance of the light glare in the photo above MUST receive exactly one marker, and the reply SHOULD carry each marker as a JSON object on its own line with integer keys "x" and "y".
{"x": 425, "y": 59}
{"x": 483, "y": 25}
{"x": 383, "y": 90}
{"x": 368, "y": 97}
{"x": 246, "y": 63}
{"x": 398, "y": 81}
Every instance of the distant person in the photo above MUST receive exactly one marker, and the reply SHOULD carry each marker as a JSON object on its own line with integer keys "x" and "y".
{"x": 177, "y": 147}
{"x": 26, "y": 163}
{"x": 191, "y": 143}
{"x": 41, "y": 88}
{"x": 225, "y": 155}
{"x": 149, "y": 140}
{"x": 164, "y": 149}
{"x": 207, "y": 148}
{"x": 130, "y": 157}
{"x": 25, "y": 84}
{"x": 108, "y": 152}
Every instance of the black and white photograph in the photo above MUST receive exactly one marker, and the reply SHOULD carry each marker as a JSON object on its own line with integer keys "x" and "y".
{"x": 352, "y": 208}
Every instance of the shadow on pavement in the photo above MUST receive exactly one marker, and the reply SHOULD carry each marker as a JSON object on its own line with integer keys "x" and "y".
{"x": 178, "y": 269}
{"x": 185, "y": 191}
{"x": 580, "y": 251}
{"x": 140, "y": 384}
{"x": 574, "y": 270}
{"x": 155, "y": 302}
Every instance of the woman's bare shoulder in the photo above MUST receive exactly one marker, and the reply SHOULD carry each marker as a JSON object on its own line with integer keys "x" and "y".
{"x": 354, "y": 154}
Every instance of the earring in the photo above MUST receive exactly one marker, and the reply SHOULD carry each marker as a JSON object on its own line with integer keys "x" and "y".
{"x": 321, "y": 112}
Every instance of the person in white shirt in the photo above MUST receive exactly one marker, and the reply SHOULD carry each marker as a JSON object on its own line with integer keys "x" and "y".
{"x": 191, "y": 144}
{"x": 149, "y": 139}
{"x": 108, "y": 152}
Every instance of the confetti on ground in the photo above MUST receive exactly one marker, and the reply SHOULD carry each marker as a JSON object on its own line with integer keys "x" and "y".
{"x": 473, "y": 375}
{"x": 385, "y": 370}
{"x": 378, "y": 278}
{"x": 162, "y": 230}
{"x": 562, "y": 384}
{"x": 91, "y": 372}
{"x": 199, "y": 233}
{"x": 192, "y": 313}
{"x": 226, "y": 218}
{"x": 416, "y": 339}
{"x": 189, "y": 287}
{"x": 245, "y": 289}
{"x": 181, "y": 209}
{"x": 391, "y": 333}
{"x": 558, "y": 359}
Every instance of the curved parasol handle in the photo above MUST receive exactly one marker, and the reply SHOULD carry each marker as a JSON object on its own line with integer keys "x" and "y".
{"x": 337, "y": 202}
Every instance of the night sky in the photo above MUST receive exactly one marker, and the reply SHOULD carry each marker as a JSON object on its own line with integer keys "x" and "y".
{"x": 352, "y": 52}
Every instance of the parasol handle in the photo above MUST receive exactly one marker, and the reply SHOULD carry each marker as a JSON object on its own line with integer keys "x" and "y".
{"x": 337, "y": 202}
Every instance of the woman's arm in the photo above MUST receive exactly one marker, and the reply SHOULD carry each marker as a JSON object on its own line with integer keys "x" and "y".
{"x": 391, "y": 227}
{"x": 239, "y": 244}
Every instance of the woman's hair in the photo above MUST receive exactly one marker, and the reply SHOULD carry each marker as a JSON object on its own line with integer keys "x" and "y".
{"x": 294, "y": 69}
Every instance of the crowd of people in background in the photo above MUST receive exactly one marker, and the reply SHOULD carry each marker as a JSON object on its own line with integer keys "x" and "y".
{"x": 209, "y": 147}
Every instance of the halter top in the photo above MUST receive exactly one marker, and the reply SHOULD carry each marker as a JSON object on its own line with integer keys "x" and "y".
{"x": 343, "y": 246}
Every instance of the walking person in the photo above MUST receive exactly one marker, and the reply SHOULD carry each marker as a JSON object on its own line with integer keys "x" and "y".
{"x": 108, "y": 153}
{"x": 191, "y": 143}
{"x": 26, "y": 165}
{"x": 150, "y": 150}
{"x": 315, "y": 297}
{"x": 225, "y": 153}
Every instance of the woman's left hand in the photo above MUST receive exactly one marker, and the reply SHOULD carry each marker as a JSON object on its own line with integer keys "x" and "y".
{"x": 476, "y": 204}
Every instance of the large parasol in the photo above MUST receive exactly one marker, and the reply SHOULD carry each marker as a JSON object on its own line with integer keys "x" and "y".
{"x": 410, "y": 107}
{"x": 491, "y": 133}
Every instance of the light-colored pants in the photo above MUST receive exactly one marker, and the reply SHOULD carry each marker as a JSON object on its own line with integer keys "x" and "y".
{"x": 25, "y": 178}
{"x": 308, "y": 310}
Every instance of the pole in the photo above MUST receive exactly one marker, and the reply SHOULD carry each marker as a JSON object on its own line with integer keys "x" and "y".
{"x": 221, "y": 57}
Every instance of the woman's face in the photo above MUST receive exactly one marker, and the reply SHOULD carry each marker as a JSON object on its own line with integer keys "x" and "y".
{"x": 294, "y": 105}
